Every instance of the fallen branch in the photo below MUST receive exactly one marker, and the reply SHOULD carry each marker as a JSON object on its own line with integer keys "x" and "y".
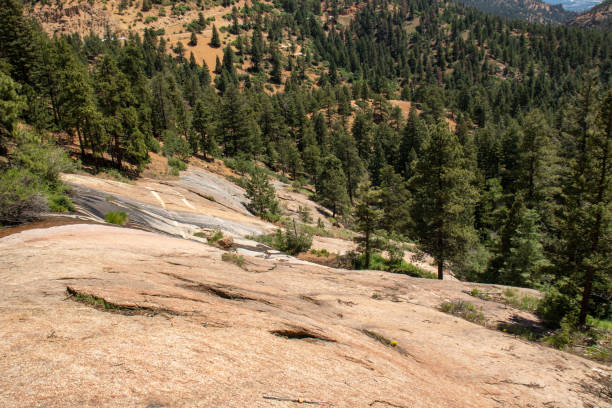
{"x": 298, "y": 400}
{"x": 386, "y": 403}
{"x": 530, "y": 385}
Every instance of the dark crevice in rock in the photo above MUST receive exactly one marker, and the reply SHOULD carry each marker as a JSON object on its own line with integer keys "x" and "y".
{"x": 127, "y": 310}
{"x": 217, "y": 291}
{"x": 299, "y": 333}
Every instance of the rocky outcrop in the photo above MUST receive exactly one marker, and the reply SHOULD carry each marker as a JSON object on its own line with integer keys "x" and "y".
{"x": 95, "y": 315}
{"x": 599, "y": 17}
{"x": 81, "y": 18}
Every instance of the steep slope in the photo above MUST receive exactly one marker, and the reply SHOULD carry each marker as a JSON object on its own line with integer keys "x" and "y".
{"x": 599, "y": 17}
{"x": 171, "y": 19}
{"x": 534, "y": 11}
{"x": 105, "y": 316}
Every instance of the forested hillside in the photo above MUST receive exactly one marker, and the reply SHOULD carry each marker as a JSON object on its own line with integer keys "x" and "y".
{"x": 516, "y": 190}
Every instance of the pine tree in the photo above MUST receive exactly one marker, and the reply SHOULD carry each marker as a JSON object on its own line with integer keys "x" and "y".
{"x": 442, "y": 209}
{"x": 262, "y": 195}
{"x": 523, "y": 261}
{"x": 345, "y": 149}
{"x": 362, "y": 134}
{"x": 257, "y": 49}
{"x": 394, "y": 201}
{"x": 368, "y": 216}
{"x": 203, "y": 123}
{"x": 412, "y": 137}
{"x": 276, "y": 74}
{"x": 218, "y": 66}
{"x": 193, "y": 40}
{"x": 333, "y": 73}
{"x": 331, "y": 188}
{"x": 235, "y": 29}
{"x": 215, "y": 41}
{"x": 179, "y": 50}
{"x": 237, "y": 126}
{"x": 537, "y": 161}
{"x": 205, "y": 77}
{"x": 587, "y": 216}
{"x": 228, "y": 64}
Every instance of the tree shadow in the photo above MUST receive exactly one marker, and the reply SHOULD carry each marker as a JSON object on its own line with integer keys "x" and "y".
{"x": 530, "y": 329}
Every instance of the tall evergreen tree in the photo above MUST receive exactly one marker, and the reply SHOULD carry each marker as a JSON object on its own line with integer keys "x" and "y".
{"x": 444, "y": 197}
{"x": 367, "y": 220}
{"x": 587, "y": 217}
{"x": 394, "y": 201}
{"x": 193, "y": 39}
{"x": 238, "y": 128}
{"x": 331, "y": 187}
{"x": 261, "y": 194}
{"x": 204, "y": 123}
{"x": 215, "y": 41}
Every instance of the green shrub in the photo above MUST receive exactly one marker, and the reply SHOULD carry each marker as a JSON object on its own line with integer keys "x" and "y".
{"x": 153, "y": 145}
{"x": 60, "y": 203}
{"x": 602, "y": 324}
{"x": 380, "y": 263}
{"x": 521, "y": 301}
{"x": 555, "y": 306}
{"x": 322, "y": 252}
{"x": 233, "y": 258}
{"x": 22, "y": 196}
{"x": 600, "y": 353}
{"x": 479, "y": 294}
{"x": 304, "y": 213}
{"x": 180, "y": 9}
{"x": 296, "y": 242}
{"x": 291, "y": 241}
{"x": 239, "y": 165}
{"x": 177, "y": 164}
{"x": 412, "y": 270}
{"x": 463, "y": 309}
{"x": 562, "y": 337}
{"x": 116, "y": 217}
{"x": 45, "y": 161}
{"x": 216, "y": 236}
{"x": 175, "y": 145}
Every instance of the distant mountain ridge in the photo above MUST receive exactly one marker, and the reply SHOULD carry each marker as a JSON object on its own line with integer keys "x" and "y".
{"x": 599, "y": 17}
{"x": 575, "y": 5}
{"x": 534, "y": 11}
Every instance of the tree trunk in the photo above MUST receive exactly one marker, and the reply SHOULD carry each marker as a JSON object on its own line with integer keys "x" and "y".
{"x": 81, "y": 143}
{"x": 367, "y": 250}
{"x": 441, "y": 270}
{"x": 586, "y": 295}
{"x": 118, "y": 152}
